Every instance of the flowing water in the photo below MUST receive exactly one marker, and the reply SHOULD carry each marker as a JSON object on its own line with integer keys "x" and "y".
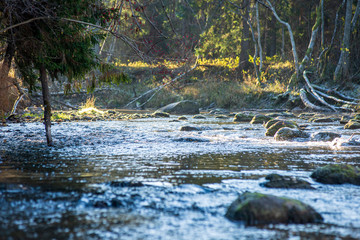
{"x": 145, "y": 179}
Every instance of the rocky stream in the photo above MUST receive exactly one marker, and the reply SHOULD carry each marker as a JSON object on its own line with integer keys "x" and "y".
{"x": 171, "y": 178}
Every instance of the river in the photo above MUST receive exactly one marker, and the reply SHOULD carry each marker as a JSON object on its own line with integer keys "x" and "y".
{"x": 145, "y": 179}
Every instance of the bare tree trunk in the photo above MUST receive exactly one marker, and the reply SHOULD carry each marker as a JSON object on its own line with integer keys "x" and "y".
{"x": 356, "y": 16}
{"x": 342, "y": 68}
{"x": 296, "y": 60}
{"x": 259, "y": 36}
{"x": 47, "y": 104}
{"x": 322, "y": 23}
{"x": 310, "y": 48}
{"x": 245, "y": 42}
{"x": 271, "y": 42}
{"x": 282, "y": 42}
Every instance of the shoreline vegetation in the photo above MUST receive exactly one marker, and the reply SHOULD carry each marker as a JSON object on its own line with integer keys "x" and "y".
{"x": 213, "y": 84}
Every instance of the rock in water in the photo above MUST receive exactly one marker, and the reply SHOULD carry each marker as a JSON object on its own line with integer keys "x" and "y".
{"x": 337, "y": 174}
{"x": 288, "y": 134}
{"x": 260, "y": 118}
{"x": 278, "y": 181}
{"x": 256, "y": 208}
{"x": 243, "y": 117}
{"x": 325, "y": 136}
{"x": 182, "y": 107}
{"x": 271, "y": 130}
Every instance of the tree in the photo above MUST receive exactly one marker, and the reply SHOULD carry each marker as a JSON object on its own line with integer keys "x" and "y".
{"x": 43, "y": 43}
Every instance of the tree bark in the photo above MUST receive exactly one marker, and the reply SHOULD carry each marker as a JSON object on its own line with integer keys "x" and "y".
{"x": 47, "y": 104}
{"x": 356, "y": 16}
{"x": 342, "y": 68}
{"x": 259, "y": 37}
{"x": 4, "y": 78}
{"x": 293, "y": 46}
{"x": 245, "y": 40}
{"x": 311, "y": 45}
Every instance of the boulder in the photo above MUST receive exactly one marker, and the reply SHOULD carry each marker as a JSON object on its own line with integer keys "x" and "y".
{"x": 260, "y": 118}
{"x": 345, "y": 119}
{"x": 256, "y": 208}
{"x": 182, "y": 107}
{"x": 288, "y": 134}
{"x": 243, "y": 117}
{"x": 324, "y": 136}
{"x": 337, "y": 174}
{"x": 182, "y": 118}
{"x": 352, "y": 125}
{"x": 324, "y": 120}
{"x": 279, "y": 124}
{"x": 278, "y": 181}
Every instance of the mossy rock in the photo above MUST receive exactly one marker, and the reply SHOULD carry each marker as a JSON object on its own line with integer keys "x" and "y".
{"x": 289, "y": 134}
{"x": 352, "y": 125}
{"x": 271, "y": 122}
{"x": 243, "y": 117}
{"x": 337, "y": 174}
{"x": 278, "y": 181}
{"x": 257, "y": 208}
{"x": 199, "y": 117}
{"x": 345, "y": 119}
{"x": 324, "y": 120}
{"x": 158, "y": 114}
{"x": 182, "y": 118}
{"x": 280, "y": 124}
{"x": 260, "y": 118}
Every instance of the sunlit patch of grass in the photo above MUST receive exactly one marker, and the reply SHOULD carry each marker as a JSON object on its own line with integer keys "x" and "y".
{"x": 230, "y": 63}
{"x": 89, "y": 107}
{"x": 60, "y": 116}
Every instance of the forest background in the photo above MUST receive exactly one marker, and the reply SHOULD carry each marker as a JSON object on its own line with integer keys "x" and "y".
{"x": 148, "y": 53}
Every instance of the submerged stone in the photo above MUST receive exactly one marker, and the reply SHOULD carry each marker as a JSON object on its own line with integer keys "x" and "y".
{"x": 161, "y": 114}
{"x": 324, "y": 136}
{"x": 191, "y": 139}
{"x": 126, "y": 184}
{"x": 189, "y": 128}
{"x": 278, "y": 181}
{"x": 337, "y": 174}
{"x": 199, "y": 117}
{"x": 257, "y": 208}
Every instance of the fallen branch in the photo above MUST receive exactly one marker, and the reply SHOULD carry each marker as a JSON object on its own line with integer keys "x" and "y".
{"x": 157, "y": 89}
{"x": 308, "y": 104}
{"x": 340, "y": 95}
{"x": 317, "y": 97}
{"x": 336, "y": 99}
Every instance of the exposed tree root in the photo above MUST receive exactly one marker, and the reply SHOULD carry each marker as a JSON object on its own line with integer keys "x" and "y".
{"x": 320, "y": 94}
